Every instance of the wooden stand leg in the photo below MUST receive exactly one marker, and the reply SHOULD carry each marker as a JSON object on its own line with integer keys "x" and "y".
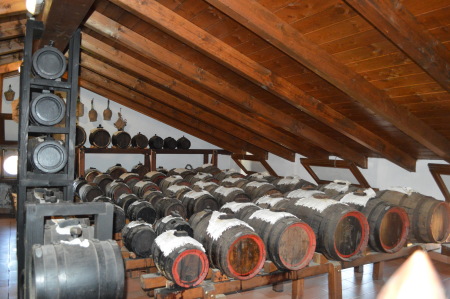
{"x": 334, "y": 281}
{"x": 278, "y": 287}
{"x": 298, "y": 288}
{"x": 378, "y": 270}
{"x": 359, "y": 269}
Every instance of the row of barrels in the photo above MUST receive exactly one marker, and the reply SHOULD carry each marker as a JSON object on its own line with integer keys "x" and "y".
{"x": 101, "y": 138}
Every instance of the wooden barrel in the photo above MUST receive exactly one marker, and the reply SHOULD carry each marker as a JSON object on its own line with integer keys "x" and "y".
{"x": 140, "y": 169}
{"x": 165, "y": 206}
{"x": 47, "y": 109}
{"x": 180, "y": 258}
{"x": 337, "y": 189}
{"x": 185, "y": 173}
{"x": 49, "y": 63}
{"x": 125, "y": 201}
{"x": 290, "y": 242}
{"x": 173, "y": 222}
{"x": 261, "y": 177}
{"x": 429, "y": 218}
{"x": 139, "y": 141}
{"x": 80, "y": 136}
{"x": 229, "y": 194}
{"x": 77, "y": 185}
{"x": 90, "y": 174}
{"x": 196, "y": 201}
{"x": 172, "y": 180}
{"x": 209, "y": 168}
{"x": 130, "y": 178}
{"x": 227, "y": 174}
{"x": 256, "y": 189}
{"x": 117, "y": 188}
{"x": 89, "y": 191}
{"x": 177, "y": 191}
{"x": 156, "y": 142}
{"x": 268, "y": 201}
{"x": 203, "y": 176}
{"x": 287, "y": 184}
{"x": 46, "y": 155}
{"x": 169, "y": 143}
{"x": 342, "y": 232}
{"x": 153, "y": 197}
{"x": 208, "y": 186}
{"x": 155, "y": 176}
{"x": 119, "y": 218}
{"x": 57, "y": 271}
{"x": 143, "y": 186}
{"x": 388, "y": 223}
{"x": 121, "y": 139}
{"x": 183, "y": 143}
{"x": 239, "y": 209}
{"x": 234, "y": 182}
{"x": 232, "y": 245}
{"x": 116, "y": 171}
{"x": 102, "y": 180}
{"x": 141, "y": 210}
{"x": 99, "y": 137}
{"x": 138, "y": 237}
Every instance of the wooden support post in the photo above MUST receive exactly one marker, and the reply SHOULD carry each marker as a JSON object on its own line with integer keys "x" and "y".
{"x": 378, "y": 271}
{"x": 359, "y": 269}
{"x": 205, "y": 158}
{"x": 152, "y": 161}
{"x": 298, "y": 288}
{"x": 214, "y": 158}
{"x": 334, "y": 280}
{"x": 278, "y": 287}
{"x": 147, "y": 160}
{"x": 81, "y": 161}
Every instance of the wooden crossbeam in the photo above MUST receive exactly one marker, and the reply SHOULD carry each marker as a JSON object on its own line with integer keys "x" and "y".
{"x": 12, "y": 29}
{"x": 151, "y": 50}
{"x": 11, "y": 46}
{"x": 175, "y": 25}
{"x": 276, "y": 31}
{"x": 12, "y": 7}
{"x": 10, "y": 67}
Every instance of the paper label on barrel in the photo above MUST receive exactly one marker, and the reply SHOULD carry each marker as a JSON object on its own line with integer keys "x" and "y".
{"x": 137, "y": 223}
{"x": 339, "y": 186}
{"x": 405, "y": 190}
{"x": 269, "y": 216}
{"x": 237, "y": 206}
{"x": 231, "y": 180}
{"x": 289, "y": 181}
{"x": 257, "y": 184}
{"x": 360, "y": 200}
{"x": 317, "y": 204}
{"x": 196, "y": 194}
{"x": 77, "y": 241}
{"x": 176, "y": 188}
{"x": 203, "y": 185}
{"x": 225, "y": 191}
{"x": 271, "y": 201}
{"x": 303, "y": 193}
{"x": 65, "y": 230}
{"x": 217, "y": 227}
{"x": 168, "y": 242}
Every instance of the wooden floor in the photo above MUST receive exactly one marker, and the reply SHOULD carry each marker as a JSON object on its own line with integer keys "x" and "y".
{"x": 354, "y": 285}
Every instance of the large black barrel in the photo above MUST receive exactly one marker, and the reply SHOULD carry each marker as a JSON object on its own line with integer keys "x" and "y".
{"x": 47, "y": 109}
{"x": 125, "y": 201}
{"x": 180, "y": 258}
{"x": 117, "y": 188}
{"x": 337, "y": 189}
{"x": 77, "y": 185}
{"x": 49, "y": 63}
{"x": 46, "y": 155}
{"x": 172, "y": 180}
{"x": 169, "y": 143}
{"x": 155, "y": 176}
{"x": 80, "y": 136}
{"x": 143, "y": 186}
{"x": 185, "y": 173}
{"x": 183, "y": 143}
{"x": 228, "y": 173}
{"x": 156, "y": 142}
{"x": 102, "y": 180}
{"x": 286, "y": 184}
{"x": 130, "y": 178}
{"x": 121, "y": 139}
{"x": 229, "y": 194}
{"x": 165, "y": 206}
{"x": 196, "y": 201}
{"x": 139, "y": 141}
{"x": 89, "y": 191}
{"x": 119, "y": 218}
{"x": 173, "y": 222}
{"x": 142, "y": 210}
{"x": 234, "y": 182}
{"x": 116, "y": 171}
{"x": 140, "y": 169}
{"x": 89, "y": 269}
{"x": 153, "y": 197}
{"x": 99, "y": 137}
{"x": 138, "y": 237}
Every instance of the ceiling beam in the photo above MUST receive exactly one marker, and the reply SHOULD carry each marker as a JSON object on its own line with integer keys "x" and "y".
{"x": 10, "y": 67}
{"x": 61, "y": 18}
{"x": 168, "y": 99}
{"x": 124, "y": 61}
{"x": 12, "y": 7}
{"x": 396, "y": 23}
{"x": 10, "y": 58}
{"x": 145, "y": 47}
{"x": 12, "y": 29}
{"x": 276, "y": 31}
{"x": 11, "y": 46}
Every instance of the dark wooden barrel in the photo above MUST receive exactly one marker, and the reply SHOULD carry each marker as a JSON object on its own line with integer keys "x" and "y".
{"x": 143, "y": 186}
{"x": 138, "y": 237}
{"x": 261, "y": 177}
{"x": 429, "y": 218}
{"x": 116, "y": 171}
{"x": 232, "y": 246}
{"x": 227, "y": 174}
{"x": 100, "y": 270}
{"x": 172, "y": 180}
{"x": 169, "y": 143}
{"x": 287, "y": 184}
{"x": 130, "y": 178}
{"x": 177, "y": 191}
{"x": 173, "y": 222}
{"x": 139, "y": 141}
{"x": 121, "y": 139}
{"x": 268, "y": 201}
{"x": 47, "y": 109}
{"x": 183, "y": 143}
{"x": 99, "y": 137}
{"x": 209, "y": 168}
{"x": 196, "y": 201}
{"x": 91, "y": 173}
{"x": 290, "y": 242}
{"x": 46, "y": 155}
{"x": 239, "y": 209}
{"x": 89, "y": 191}
{"x": 102, "y": 180}
{"x": 117, "y": 188}
{"x": 141, "y": 210}
{"x": 80, "y": 136}
{"x": 180, "y": 258}
{"x": 140, "y": 169}
{"x": 337, "y": 189}
{"x": 388, "y": 223}
{"x": 119, "y": 218}
{"x": 234, "y": 182}
{"x": 183, "y": 172}
{"x": 126, "y": 200}
{"x": 49, "y": 63}
{"x": 153, "y": 197}
{"x": 77, "y": 185}
{"x": 162, "y": 170}
{"x": 302, "y": 193}
{"x": 342, "y": 232}
{"x": 165, "y": 206}
{"x": 156, "y": 142}
{"x": 155, "y": 176}
{"x": 255, "y": 189}
{"x": 229, "y": 194}
{"x": 203, "y": 176}
{"x": 208, "y": 186}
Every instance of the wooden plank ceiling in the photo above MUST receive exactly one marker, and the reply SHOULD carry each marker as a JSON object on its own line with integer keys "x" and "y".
{"x": 354, "y": 79}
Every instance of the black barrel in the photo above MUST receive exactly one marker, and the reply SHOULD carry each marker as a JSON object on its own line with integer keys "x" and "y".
{"x": 229, "y": 194}
{"x": 117, "y": 188}
{"x": 140, "y": 169}
{"x": 169, "y": 143}
{"x": 261, "y": 177}
{"x": 239, "y": 209}
{"x": 234, "y": 182}
{"x": 139, "y": 141}
{"x": 153, "y": 197}
{"x": 196, "y": 201}
{"x": 185, "y": 173}
{"x": 125, "y": 201}
{"x": 165, "y": 206}
{"x": 119, "y": 218}
{"x": 88, "y": 269}
{"x": 183, "y": 143}
{"x": 89, "y": 191}
{"x": 49, "y": 63}
{"x": 203, "y": 176}
{"x": 77, "y": 185}
{"x": 130, "y": 178}
{"x": 268, "y": 201}
{"x": 102, "y": 180}
{"x": 208, "y": 186}
{"x": 121, "y": 139}
{"x": 99, "y": 137}
{"x": 142, "y": 210}
{"x": 209, "y": 168}
{"x": 91, "y": 173}
{"x": 143, "y": 186}
{"x": 116, "y": 171}
{"x": 177, "y": 191}
{"x": 228, "y": 173}
{"x": 80, "y": 136}
{"x": 286, "y": 184}
{"x": 255, "y": 189}
{"x": 138, "y": 237}
{"x": 156, "y": 142}
{"x": 46, "y": 155}
{"x": 172, "y": 180}
{"x": 47, "y": 109}
{"x": 173, "y": 222}
{"x": 155, "y": 176}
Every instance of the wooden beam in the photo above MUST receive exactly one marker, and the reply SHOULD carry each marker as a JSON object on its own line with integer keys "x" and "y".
{"x": 396, "y": 23}
{"x": 163, "y": 97}
{"x": 10, "y": 58}
{"x": 11, "y": 46}
{"x": 124, "y": 61}
{"x": 12, "y": 29}
{"x": 175, "y": 25}
{"x": 10, "y": 67}
{"x": 61, "y": 18}
{"x": 263, "y": 22}
{"x": 164, "y": 109}
{"x": 12, "y": 7}
{"x": 151, "y": 50}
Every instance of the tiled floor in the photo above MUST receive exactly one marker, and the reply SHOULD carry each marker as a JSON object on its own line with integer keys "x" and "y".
{"x": 354, "y": 285}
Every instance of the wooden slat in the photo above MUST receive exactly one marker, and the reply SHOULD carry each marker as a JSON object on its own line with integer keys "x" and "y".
{"x": 113, "y": 56}
{"x": 12, "y": 7}
{"x": 396, "y": 23}
{"x": 148, "y": 49}
{"x": 12, "y": 29}
{"x": 11, "y": 46}
{"x": 10, "y": 67}
{"x": 280, "y": 34}
{"x": 166, "y": 98}
{"x": 180, "y": 28}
